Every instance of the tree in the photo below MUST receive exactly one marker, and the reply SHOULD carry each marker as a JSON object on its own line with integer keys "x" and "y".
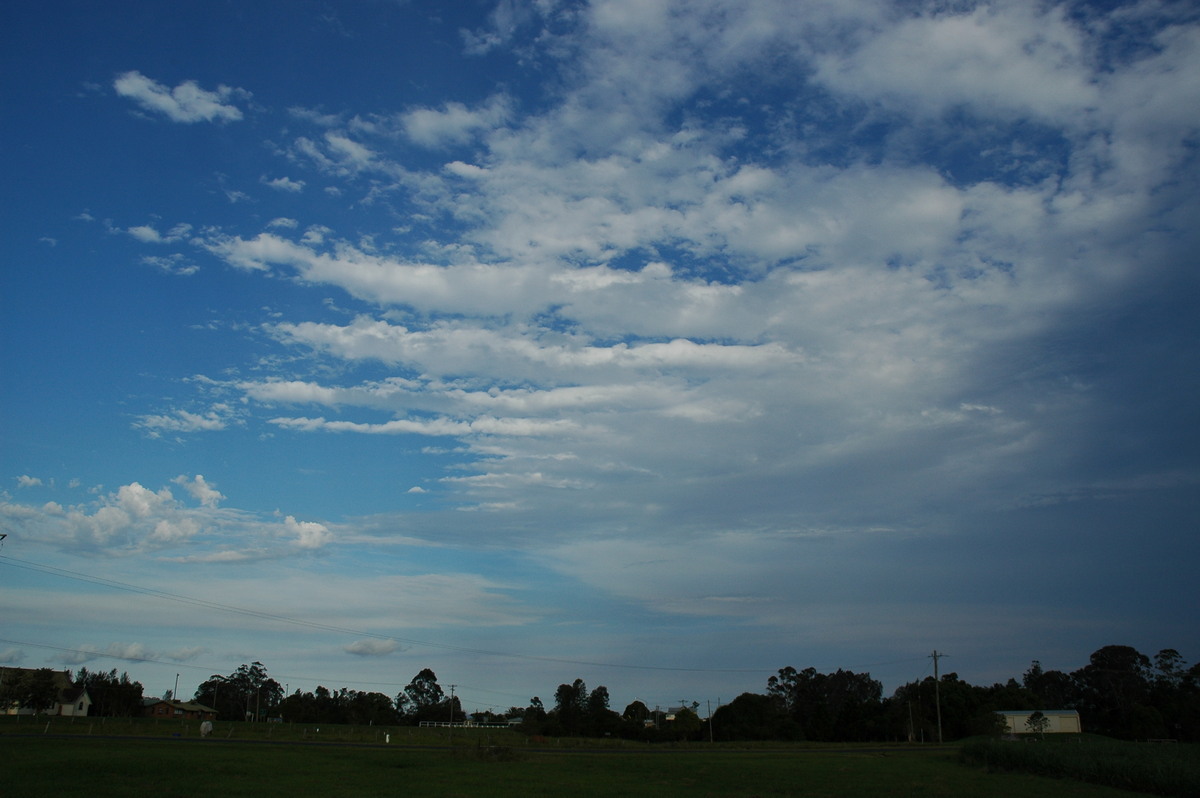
{"x": 636, "y": 712}
{"x": 597, "y": 701}
{"x": 112, "y": 695}
{"x": 599, "y": 719}
{"x": 1114, "y": 694}
{"x": 424, "y": 691}
{"x": 370, "y": 709}
{"x": 1037, "y": 723}
{"x": 1051, "y": 689}
{"x": 751, "y": 716}
{"x": 570, "y": 708}
{"x": 36, "y": 690}
{"x": 247, "y": 693}
{"x": 686, "y": 724}
{"x": 423, "y": 700}
{"x": 533, "y": 717}
{"x": 1170, "y": 667}
{"x": 571, "y": 699}
{"x": 838, "y": 706}
{"x": 1175, "y": 693}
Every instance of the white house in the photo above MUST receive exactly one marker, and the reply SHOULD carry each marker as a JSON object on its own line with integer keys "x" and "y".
{"x": 1059, "y": 721}
{"x": 69, "y": 699}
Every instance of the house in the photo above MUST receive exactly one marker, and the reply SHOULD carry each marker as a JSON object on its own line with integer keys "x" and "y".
{"x": 1059, "y": 721}
{"x": 74, "y": 701}
{"x": 179, "y": 710}
{"x": 69, "y": 700}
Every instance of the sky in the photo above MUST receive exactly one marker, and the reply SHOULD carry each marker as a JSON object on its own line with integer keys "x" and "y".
{"x": 657, "y": 344}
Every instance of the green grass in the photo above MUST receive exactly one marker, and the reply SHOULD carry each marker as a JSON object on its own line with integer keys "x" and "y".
{"x": 1162, "y": 769}
{"x": 162, "y": 765}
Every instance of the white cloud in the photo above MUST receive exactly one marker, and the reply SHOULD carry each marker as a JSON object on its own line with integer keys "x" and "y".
{"x": 186, "y": 653}
{"x": 307, "y": 534}
{"x": 26, "y": 481}
{"x": 12, "y": 656}
{"x": 217, "y": 418}
{"x": 175, "y": 263}
{"x": 200, "y": 490}
{"x": 146, "y": 234}
{"x": 1006, "y": 59}
{"x": 87, "y": 652}
{"x": 454, "y": 123}
{"x": 371, "y": 648}
{"x": 285, "y": 184}
{"x": 136, "y": 520}
{"x": 149, "y": 235}
{"x": 483, "y": 425}
{"x": 185, "y": 103}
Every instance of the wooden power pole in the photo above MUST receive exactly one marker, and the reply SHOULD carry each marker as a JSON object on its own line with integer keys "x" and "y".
{"x": 937, "y": 692}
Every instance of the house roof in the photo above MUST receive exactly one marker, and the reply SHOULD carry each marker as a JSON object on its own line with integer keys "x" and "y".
{"x": 72, "y": 695}
{"x": 62, "y": 679}
{"x": 186, "y": 706}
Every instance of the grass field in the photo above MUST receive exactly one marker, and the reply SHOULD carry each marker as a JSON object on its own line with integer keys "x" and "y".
{"x": 41, "y": 762}
{"x": 1163, "y": 769}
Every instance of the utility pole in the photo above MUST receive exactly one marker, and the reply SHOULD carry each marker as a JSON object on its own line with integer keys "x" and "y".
{"x": 937, "y": 693}
{"x": 451, "y": 734}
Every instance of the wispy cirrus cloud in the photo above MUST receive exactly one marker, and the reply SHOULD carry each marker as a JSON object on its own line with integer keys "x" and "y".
{"x": 218, "y": 417}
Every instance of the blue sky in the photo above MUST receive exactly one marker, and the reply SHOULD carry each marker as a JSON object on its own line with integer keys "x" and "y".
{"x": 657, "y": 344}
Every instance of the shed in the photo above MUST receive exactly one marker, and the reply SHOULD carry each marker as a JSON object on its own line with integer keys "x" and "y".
{"x": 1061, "y": 721}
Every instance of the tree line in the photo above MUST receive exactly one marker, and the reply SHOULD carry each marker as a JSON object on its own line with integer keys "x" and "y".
{"x": 1120, "y": 693}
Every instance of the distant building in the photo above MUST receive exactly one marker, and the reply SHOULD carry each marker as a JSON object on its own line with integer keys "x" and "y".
{"x": 1059, "y": 721}
{"x": 179, "y": 710}
{"x": 69, "y": 700}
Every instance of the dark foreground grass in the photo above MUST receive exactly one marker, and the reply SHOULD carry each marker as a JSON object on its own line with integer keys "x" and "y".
{"x": 1158, "y": 768}
{"x": 98, "y": 767}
